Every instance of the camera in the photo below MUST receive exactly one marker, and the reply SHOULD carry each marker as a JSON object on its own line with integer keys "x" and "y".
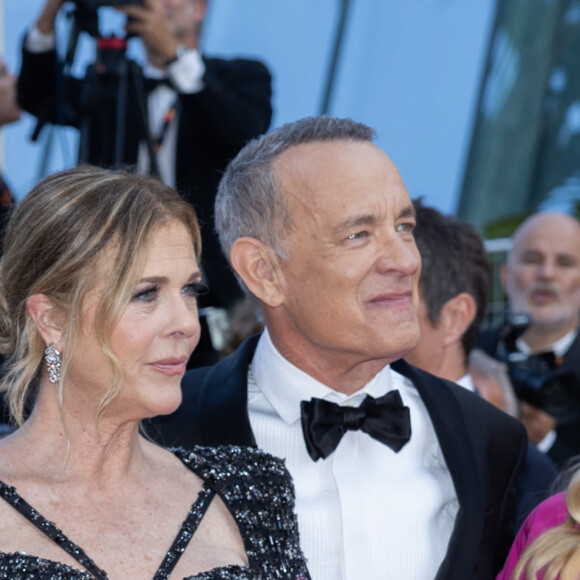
{"x": 538, "y": 379}
{"x": 93, "y": 4}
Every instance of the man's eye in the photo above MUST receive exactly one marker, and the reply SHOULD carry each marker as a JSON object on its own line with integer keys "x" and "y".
{"x": 567, "y": 262}
{"x": 357, "y": 236}
{"x": 406, "y": 227}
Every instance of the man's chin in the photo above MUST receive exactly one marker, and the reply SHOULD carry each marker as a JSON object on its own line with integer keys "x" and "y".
{"x": 552, "y": 322}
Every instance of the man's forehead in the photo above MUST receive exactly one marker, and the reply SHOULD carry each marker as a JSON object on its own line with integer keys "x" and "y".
{"x": 324, "y": 162}
{"x": 548, "y": 233}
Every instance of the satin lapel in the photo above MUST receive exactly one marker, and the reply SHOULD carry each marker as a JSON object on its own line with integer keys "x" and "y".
{"x": 454, "y": 440}
{"x": 572, "y": 356}
{"x": 223, "y": 400}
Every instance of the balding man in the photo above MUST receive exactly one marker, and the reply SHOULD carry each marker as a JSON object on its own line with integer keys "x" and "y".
{"x": 542, "y": 280}
{"x": 200, "y": 110}
{"x": 398, "y": 473}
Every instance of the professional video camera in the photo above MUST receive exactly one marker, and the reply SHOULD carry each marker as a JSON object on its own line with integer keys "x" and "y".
{"x": 86, "y": 17}
{"x": 99, "y": 3}
{"x": 538, "y": 379}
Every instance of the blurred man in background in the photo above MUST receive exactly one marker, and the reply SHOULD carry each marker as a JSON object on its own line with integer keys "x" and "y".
{"x": 541, "y": 279}
{"x": 200, "y": 112}
{"x": 453, "y": 290}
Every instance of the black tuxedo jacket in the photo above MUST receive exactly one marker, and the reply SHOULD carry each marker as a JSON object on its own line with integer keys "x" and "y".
{"x": 214, "y": 124}
{"x": 567, "y": 444}
{"x": 484, "y": 449}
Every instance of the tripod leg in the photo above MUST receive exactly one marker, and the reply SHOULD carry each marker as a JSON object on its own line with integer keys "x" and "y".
{"x": 121, "y": 115}
{"x": 145, "y": 131}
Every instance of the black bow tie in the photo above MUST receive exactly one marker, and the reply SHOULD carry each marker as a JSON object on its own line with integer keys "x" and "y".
{"x": 152, "y": 83}
{"x": 324, "y": 423}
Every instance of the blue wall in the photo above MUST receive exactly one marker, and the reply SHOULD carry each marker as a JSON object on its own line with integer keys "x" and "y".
{"x": 409, "y": 68}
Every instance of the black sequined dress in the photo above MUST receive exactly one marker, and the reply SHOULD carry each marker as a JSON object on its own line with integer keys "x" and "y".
{"x": 255, "y": 487}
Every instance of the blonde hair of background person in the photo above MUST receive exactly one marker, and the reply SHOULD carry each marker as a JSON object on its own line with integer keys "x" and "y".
{"x": 556, "y": 553}
{"x": 104, "y": 266}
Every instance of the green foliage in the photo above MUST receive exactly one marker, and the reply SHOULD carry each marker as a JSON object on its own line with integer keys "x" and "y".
{"x": 504, "y": 227}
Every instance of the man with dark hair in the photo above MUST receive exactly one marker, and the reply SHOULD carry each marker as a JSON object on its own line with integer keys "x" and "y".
{"x": 398, "y": 474}
{"x": 453, "y": 290}
{"x": 200, "y": 110}
{"x": 452, "y": 307}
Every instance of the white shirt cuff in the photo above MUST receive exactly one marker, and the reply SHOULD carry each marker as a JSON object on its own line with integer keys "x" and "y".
{"x": 186, "y": 73}
{"x": 546, "y": 443}
{"x": 37, "y": 41}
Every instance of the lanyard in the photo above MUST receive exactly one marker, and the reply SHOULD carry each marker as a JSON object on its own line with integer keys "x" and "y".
{"x": 170, "y": 114}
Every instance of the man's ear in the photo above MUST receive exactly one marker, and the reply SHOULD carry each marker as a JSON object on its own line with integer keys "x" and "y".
{"x": 503, "y": 271}
{"x": 456, "y": 316}
{"x": 46, "y": 318}
{"x": 259, "y": 268}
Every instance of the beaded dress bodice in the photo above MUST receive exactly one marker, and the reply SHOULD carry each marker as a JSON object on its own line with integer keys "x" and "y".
{"x": 255, "y": 487}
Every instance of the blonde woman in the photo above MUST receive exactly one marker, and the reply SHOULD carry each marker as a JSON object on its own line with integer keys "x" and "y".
{"x": 547, "y": 546}
{"x": 98, "y": 318}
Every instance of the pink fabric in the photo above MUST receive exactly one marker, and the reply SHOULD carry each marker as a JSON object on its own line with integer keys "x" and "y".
{"x": 550, "y": 513}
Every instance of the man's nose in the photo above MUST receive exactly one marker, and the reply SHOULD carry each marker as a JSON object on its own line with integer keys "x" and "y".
{"x": 400, "y": 255}
{"x": 547, "y": 269}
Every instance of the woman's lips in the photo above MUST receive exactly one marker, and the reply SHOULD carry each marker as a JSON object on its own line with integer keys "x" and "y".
{"x": 171, "y": 366}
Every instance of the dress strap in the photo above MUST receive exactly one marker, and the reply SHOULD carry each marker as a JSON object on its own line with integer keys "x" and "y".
{"x": 9, "y": 494}
{"x": 188, "y": 528}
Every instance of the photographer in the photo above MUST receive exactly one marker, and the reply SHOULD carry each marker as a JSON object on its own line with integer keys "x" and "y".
{"x": 201, "y": 110}
{"x": 542, "y": 280}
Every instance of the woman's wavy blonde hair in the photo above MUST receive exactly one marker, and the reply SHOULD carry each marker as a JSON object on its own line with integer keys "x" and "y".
{"x": 52, "y": 246}
{"x": 556, "y": 553}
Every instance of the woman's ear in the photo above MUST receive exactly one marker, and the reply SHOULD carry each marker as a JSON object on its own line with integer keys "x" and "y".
{"x": 259, "y": 268}
{"x": 46, "y": 318}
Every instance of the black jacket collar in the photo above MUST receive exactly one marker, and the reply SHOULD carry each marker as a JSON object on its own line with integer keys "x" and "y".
{"x": 224, "y": 394}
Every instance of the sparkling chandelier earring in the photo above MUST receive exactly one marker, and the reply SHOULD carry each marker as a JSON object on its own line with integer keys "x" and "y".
{"x": 53, "y": 362}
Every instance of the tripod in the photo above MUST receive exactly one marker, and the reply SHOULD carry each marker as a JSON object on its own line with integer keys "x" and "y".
{"x": 111, "y": 85}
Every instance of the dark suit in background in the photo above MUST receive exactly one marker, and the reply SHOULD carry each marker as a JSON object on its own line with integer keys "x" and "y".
{"x": 567, "y": 443}
{"x": 233, "y": 107}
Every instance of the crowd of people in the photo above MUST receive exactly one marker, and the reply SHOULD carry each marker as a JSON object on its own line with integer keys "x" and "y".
{"x": 355, "y": 421}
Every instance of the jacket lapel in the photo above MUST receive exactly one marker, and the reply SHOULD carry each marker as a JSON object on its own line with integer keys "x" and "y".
{"x": 224, "y": 394}
{"x": 454, "y": 439}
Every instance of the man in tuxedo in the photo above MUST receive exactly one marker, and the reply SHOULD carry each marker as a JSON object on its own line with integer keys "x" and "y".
{"x": 541, "y": 278}
{"x": 200, "y": 111}
{"x": 398, "y": 474}
{"x": 451, "y": 311}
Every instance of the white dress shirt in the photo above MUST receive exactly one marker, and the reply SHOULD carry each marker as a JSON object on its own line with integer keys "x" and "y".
{"x": 466, "y": 381}
{"x": 185, "y": 74}
{"x": 364, "y": 511}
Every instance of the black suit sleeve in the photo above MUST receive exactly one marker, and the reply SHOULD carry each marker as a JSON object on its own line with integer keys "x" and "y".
{"x": 500, "y": 445}
{"x": 233, "y": 107}
{"x": 45, "y": 92}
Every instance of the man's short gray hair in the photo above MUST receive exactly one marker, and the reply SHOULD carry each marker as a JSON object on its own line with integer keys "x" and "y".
{"x": 249, "y": 202}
